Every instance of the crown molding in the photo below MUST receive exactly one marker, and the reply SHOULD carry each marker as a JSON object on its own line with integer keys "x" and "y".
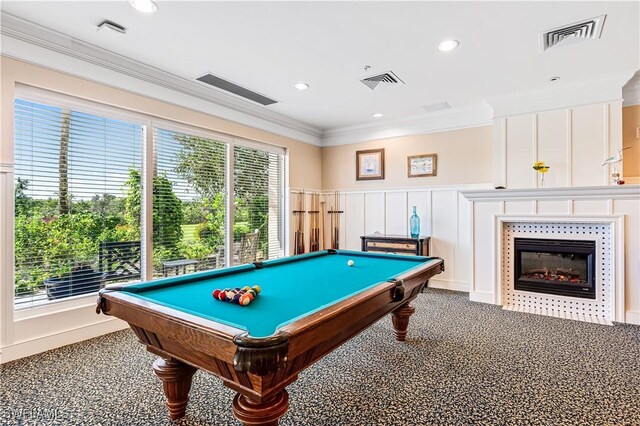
{"x": 26, "y": 41}
{"x": 440, "y": 121}
{"x": 631, "y": 91}
{"x": 560, "y": 96}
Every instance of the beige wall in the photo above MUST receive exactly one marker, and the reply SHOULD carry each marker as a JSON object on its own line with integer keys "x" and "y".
{"x": 304, "y": 159}
{"x": 631, "y": 159}
{"x": 50, "y": 326}
{"x": 464, "y": 157}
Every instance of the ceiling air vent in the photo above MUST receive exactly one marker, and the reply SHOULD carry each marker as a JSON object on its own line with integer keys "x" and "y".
{"x": 583, "y": 30}
{"x": 386, "y": 79}
{"x": 230, "y": 87}
{"x": 437, "y": 107}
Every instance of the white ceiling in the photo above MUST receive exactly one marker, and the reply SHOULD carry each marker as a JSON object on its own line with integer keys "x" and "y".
{"x": 269, "y": 46}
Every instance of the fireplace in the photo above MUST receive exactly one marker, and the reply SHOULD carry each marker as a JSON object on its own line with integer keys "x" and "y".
{"x": 560, "y": 267}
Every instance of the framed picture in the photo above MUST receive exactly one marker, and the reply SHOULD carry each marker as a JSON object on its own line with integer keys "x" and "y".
{"x": 422, "y": 165}
{"x": 370, "y": 164}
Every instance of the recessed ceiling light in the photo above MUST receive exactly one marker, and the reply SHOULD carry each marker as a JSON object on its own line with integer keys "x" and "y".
{"x": 552, "y": 79}
{"x": 378, "y": 115}
{"x": 144, "y": 6}
{"x": 301, "y": 86}
{"x": 448, "y": 45}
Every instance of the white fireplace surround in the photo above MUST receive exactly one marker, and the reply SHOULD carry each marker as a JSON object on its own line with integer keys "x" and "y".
{"x": 616, "y": 208}
{"x": 606, "y": 231}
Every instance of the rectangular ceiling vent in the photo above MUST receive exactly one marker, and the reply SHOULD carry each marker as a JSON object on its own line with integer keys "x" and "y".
{"x": 386, "y": 79}
{"x": 227, "y": 86}
{"x": 579, "y": 31}
{"x": 437, "y": 107}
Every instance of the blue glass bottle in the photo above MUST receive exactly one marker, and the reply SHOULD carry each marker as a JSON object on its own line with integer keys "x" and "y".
{"x": 414, "y": 224}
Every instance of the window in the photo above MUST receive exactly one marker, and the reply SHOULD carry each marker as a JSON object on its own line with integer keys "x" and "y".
{"x": 81, "y": 197}
{"x": 75, "y": 202}
{"x": 188, "y": 203}
{"x": 257, "y": 213}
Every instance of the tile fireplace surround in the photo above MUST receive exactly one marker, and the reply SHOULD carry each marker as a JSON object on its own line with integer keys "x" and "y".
{"x": 608, "y": 215}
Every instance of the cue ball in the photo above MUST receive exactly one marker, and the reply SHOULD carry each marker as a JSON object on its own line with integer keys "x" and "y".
{"x": 351, "y": 263}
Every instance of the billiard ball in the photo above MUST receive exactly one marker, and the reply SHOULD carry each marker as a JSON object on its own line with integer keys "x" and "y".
{"x": 351, "y": 263}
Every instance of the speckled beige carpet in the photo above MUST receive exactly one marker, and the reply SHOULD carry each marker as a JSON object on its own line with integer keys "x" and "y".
{"x": 463, "y": 364}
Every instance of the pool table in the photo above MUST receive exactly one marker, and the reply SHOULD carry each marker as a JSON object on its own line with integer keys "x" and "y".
{"x": 308, "y": 306}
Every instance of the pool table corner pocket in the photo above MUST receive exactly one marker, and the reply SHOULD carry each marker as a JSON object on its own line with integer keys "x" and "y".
{"x": 261, "y": 356}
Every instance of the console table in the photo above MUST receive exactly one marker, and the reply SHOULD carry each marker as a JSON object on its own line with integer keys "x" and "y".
{"x": 399, "y": 244}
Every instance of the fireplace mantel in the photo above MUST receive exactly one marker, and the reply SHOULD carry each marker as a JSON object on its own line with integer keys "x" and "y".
{"x": 564, "y": 193}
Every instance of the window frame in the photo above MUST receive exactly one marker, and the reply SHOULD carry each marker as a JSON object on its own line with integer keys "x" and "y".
{"x": 149, "y": 125}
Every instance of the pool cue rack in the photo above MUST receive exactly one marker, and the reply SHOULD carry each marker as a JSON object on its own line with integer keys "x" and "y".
{"x": 314, "y": 223}
{"x": 299, "y": 223}
{"x": 334, "y": 220}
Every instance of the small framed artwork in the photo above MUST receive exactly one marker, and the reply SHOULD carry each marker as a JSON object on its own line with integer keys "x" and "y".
{"x": 370, "y": 164}
{"x": 422, "y": 165}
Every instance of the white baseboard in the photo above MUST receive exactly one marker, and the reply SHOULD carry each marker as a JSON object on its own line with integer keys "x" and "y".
{"x": 41, "y": 344}
{"x": 632, "y": 317}
{"x": 482, "y": 297}
{"x": 448, "y": 285}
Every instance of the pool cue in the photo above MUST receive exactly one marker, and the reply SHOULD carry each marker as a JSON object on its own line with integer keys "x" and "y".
{"x": 303, "y": 220}
{"x": 323, "y": 209}
{"x": 337, "y": 229}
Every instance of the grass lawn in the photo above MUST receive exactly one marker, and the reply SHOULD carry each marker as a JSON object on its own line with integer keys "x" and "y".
{"x": 188, "y": 233}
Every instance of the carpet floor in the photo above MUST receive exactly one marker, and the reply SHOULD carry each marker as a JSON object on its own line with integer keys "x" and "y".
{"x": 464, "y": 363}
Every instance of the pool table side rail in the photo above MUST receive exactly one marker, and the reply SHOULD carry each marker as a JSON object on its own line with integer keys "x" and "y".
{"x": 163, "y": 320}
{"x": 331, "y": 318}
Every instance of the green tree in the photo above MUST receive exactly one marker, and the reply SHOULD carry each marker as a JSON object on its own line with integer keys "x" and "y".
{"x": 201, "y": 162}
{"x": 22, "y": 200}
{"x": 167, "y": 211}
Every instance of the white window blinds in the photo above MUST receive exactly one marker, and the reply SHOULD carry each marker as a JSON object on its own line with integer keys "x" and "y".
{"x": 77, "y": 202}
{"x": 188, "y": 203}
{"x": 258, "y": 186}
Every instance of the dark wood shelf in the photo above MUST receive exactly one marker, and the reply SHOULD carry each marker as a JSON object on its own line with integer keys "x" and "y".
{"x": 398, "y": 244}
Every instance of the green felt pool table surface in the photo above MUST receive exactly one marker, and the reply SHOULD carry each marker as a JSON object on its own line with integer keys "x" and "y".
{"x": 292, "y": 287}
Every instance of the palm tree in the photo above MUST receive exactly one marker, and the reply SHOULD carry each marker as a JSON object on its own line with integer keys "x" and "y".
{"x": 63, "y": 163}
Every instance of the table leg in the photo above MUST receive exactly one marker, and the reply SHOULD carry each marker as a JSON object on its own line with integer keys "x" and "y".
{"x": 176, "y": 380}
{"x": 400, "y": 320}
{"x": 266, "y": 413}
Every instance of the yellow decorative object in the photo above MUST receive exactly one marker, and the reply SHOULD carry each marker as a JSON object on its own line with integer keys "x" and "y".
{"x": 541, "y": 168}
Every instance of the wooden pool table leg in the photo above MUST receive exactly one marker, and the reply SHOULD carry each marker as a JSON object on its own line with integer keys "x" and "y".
{"x": 266, "y": 413}
{"x": 176, "y": 380}
{"x": 400, "y": 320}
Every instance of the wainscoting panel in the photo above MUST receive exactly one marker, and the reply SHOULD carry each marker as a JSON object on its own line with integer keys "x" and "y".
{"x": 573, "y": 142}
{"x": 445, "y": 230}
{"x": 631, "y": 210}
{"x": 589, "y": 124}
{"x": 484, "y": 269}
{"x": 422, "y": 201}
{"x": 396, "y": 221}
{"x": 354, "y": 213}
{"x": 374, "y": 211}
{"x": 551, "y": 141}
{"x": 590, "y": 207}
{"x": 462, "y": 272}
{"x": 519, "y": 207}
{"x": 554, "y": 207}
{"x": 520, "y": 151}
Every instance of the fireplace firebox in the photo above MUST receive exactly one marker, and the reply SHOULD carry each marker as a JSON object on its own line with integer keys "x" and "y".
{"x": 561, "y": 267}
